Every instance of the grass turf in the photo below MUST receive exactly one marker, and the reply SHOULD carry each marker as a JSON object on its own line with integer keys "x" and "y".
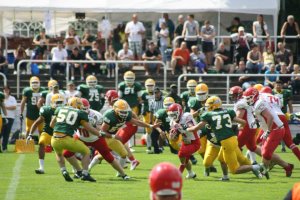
{"x": 51, "y": 185}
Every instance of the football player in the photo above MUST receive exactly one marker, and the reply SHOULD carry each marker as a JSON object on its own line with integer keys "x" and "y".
{"x": 272, "y": 126}
{"x": 165, "y": 182}
{"x": 258, "y": 86}
{"x": 54, "y": 90}
{"x": 93, "y": 92}
{"x": 66, "y": 121}
{"x": 191, "y": 85}
{"x": 44, "y": 93}
{"x": 147, "y": 96}
{"x": 220, "y": 120}
{"x": 45, "y": 116}
{"x": 190, "y": 139}
{"x": 98, "y": 143}
{"x": 3, "y": 109}
{"x": 31, "y": 96}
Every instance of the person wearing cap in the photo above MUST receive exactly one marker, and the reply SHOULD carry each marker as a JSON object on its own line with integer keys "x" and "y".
{"x": 151, "y": 54}
{"x": 71, "y": 90}
{"x": 75, "y": 67}
{"x": 41, "y": 41}
{"x": 55, "y": 90}
{"x": 173, "y": 94}
{"x": 241, "y": 40}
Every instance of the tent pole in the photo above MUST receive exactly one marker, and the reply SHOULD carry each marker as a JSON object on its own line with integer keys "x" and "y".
{"x": 219, "y": 31}
{"x": 106, "y": 17}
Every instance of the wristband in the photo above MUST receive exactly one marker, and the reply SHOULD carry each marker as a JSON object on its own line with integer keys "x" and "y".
{"x": 113, "y": 136}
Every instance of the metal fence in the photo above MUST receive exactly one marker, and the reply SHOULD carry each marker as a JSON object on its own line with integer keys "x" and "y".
{"x": 4, "y": 79}
{"x": 6, "y": 44}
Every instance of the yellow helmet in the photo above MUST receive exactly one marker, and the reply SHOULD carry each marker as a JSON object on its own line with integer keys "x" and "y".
{"x": 75, "y": 102}
{"x": 258, "y": 87}
{"x": 52, "y": 84}
{"x": 201, "y": 92}
{"x": 191, "y": 85}
{"x": 57, "y": 100}
{"x": 150, "y": 84}
{"x": 129, "y": 78}
{"x": 121, "y": 108}
{"x": 168, "y": 101}
{"x": 213, "y": 103}
{"x": 34, "y": 83}
{"x": 91, "y": 81}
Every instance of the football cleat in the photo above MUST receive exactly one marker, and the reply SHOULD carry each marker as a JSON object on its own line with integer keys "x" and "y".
{"x": 191, "y": 176}
{"x": 125, "y": 177}
{"x": 224, "y": 179}
{"x": 34, "y": 83}
{"x": 39, "y": 171}
{"x": 134, "y": 164}
{"x": 257, "y": 173}
{"x": 67, "y": 176}
{"x": 213, "y": 103}
{"x": 264, "y": 171}
{"x": 91, "y": 81}
{"x": 191, "y": 85}
{"x": 213, "y": 169}
{"x": 206, "y": 171}
{"x": 289, "y": 170}
{"x": 75, "y": 102}
{"x": 201, "y": 92}
{"x": 129, "y": 78}
{"x": 78, "y": 175}
{"x": 121, "y": 108}
{"x": 87, "y": 178}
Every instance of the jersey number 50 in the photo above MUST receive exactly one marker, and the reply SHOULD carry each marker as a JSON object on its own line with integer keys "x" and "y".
{"x": 69, "y": 117}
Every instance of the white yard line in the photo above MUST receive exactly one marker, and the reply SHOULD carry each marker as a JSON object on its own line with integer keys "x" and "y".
{"x": 11, "y": 191}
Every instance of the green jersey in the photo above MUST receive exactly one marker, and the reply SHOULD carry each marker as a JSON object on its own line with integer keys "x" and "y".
{"x": 2, "y": 97}
{"x": 162, "y": 115}
{"x": 68, "y": 119}
{"x": 220, "y": 122}
{"x": 185, "y": 96}
{"x": 195, "y": 104}
{"x": 94, "y": 95}
{"x": 146, "y": 97}
{"x": 32, "y": 111}
{"x": 44, "y": 94}
{"x": 130, "y": 94}
{"x": 206, "y": 131}
{"x": 113, "y": 121}
{"x": 47, "y": 112}
{"x": 285, "y": 95}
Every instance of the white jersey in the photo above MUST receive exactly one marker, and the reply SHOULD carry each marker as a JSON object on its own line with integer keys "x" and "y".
{"x": 259, "y": 107}
{"x": 242, "y": 104}
{"x": 95, "y": 119}
{"x": 69, "y": 94}
{"x": 274, "y": 101}
{"x": 49, "y": 96}
{"x": 186, "y": 118}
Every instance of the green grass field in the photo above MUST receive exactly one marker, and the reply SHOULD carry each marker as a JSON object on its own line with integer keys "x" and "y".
{"x": 18, "y": 180}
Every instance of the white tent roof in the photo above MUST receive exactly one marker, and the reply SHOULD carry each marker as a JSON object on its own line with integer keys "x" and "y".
{"x": 267, "y": 7}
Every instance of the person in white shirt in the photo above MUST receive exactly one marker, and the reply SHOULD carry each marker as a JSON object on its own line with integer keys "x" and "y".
{"x": 134, "y": 31}
{"x": 125, "y": 54}
{"x": 8, "y": 119}
{"x": 71, "y": 90}
{"x": 259, "y": 29}
{"x": 55, "y": 90}
{"x": 164, "y": 40}
{"x": 58, "y": 54}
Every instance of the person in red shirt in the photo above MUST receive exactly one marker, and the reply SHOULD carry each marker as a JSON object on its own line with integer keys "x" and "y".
{"x": 180, "y": 59}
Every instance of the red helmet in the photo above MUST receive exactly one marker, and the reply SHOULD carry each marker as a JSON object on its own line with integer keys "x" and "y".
{"x": 165, "y": 179}
{"x": 251, "y": 95}
{"x": 266, "y": 89}
{"x": 175, "y": 111}
{"x": 235, "y": 93}
{"x": 86, "y": 104}
{"x": 111, "y": 96}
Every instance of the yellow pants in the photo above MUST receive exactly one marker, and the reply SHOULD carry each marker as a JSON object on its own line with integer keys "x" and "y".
{"x": 135, "y": 109}
{"x": 147, "y": 119}
{"x": 29, "y": 123}
{"x": 68, "y": 143}
{"x": 203, "y": 141}
{"x": 116, "y": 146}
{"x": 175, "y": 144}
{"x": 211, "y": 153}
{"x": 45, "y": 139}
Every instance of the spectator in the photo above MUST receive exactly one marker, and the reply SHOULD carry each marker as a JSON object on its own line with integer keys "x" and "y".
{"x": 77, "y": 55}
{"x": 268, "y": 58}
{"x": 135, "y": 31}
{"x": 290, "y": 28}
{"x": 260, "y": 29}
{"x": 88, "y": 39}
{"x": 93, "y": 55}
{"x": 180, "y": 59}
{"x": 41, "y": 41}
{"x": 284, "y": 55}
{"x": 179, "y": 30}
{"x": 20, "y": 54}
{"x": 242, "y": 47}
{"x": 125, "y": 54}
{"x": 71, "y": 90}
{"x": 286, "y": 80}
{"x": 270, "y": 80}
{"x": 254, "y": 60}
{"x": 235, "y": 24}
{"x": 222, "y": 60}
{"x": 119, "y": 37}
{"x": 110, "y": 55}
{"x": 58, "y": 54}
{"x": 169, "y": 25}
{"x": 296, "y": 80}
{"x": 3, "y": 63}
{"x": 208, "y": 33}
{"x": 174, "y": 95}
{"x": 163, "y": 40}
{"x": 190, "y": 31}
{"x": 151, "y": 54}
{"x": 197, "y": 60}
{"x": 8, "y": 119}
{"x": 71, "y": 41}
{"x": 241, "y": 68}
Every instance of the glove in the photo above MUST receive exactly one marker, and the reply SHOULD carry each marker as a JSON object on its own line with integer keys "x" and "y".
{"x": 265, "y": 135}
{"x": 29, "y": 137}
{"x": 21, "y": 117}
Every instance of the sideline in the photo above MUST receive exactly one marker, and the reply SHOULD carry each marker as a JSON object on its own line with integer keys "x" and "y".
{"x": 11, "y": 191}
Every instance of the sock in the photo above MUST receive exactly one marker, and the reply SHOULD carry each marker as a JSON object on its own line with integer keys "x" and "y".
{"x": 252, "y": 156}
{"x": 94, "y": 162}
{"x": 131, "y": 142}
{"x": 190, "y": 172}
{"x": 131, "y": 158}
{"x": 225, "y": 176}
{"x": 148, "y": 140}
{"x": 63, "y": 169}
{"x": 181, "y": 168}
{"x": 41, "y": 161}
{"x": 122, "y": 162}
{"x": 282, "y": 145}
{"x": 296, "y": 151}
{"x": 85, "y": 172}
{"x": 255, "y": 167}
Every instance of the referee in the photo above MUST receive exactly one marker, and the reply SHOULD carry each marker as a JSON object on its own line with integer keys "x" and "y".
{"x": 154, "y": 105}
